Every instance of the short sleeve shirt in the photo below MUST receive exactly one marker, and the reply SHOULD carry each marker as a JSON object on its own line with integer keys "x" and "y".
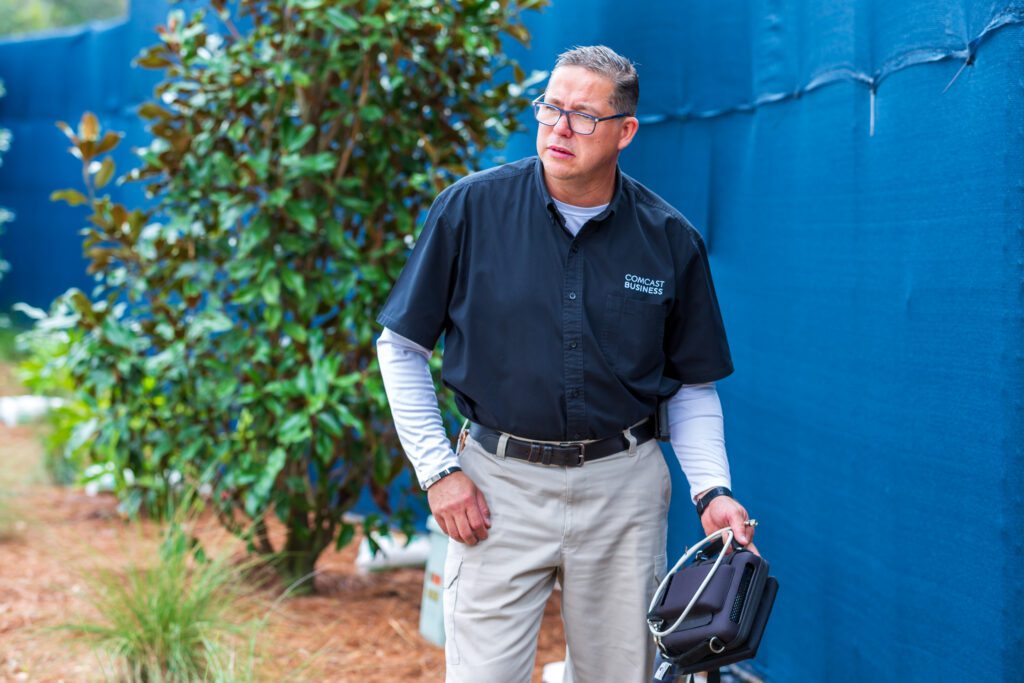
{"x": 554, "y": 337}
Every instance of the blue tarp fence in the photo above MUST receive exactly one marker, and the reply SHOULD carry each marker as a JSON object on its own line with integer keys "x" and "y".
{"x": 856, "y": 169}
{"x": 58, "y": 76}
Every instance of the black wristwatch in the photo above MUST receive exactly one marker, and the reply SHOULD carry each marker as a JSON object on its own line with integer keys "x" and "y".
{"x": 703, "y": 501}
{"x": 439, "y": 476}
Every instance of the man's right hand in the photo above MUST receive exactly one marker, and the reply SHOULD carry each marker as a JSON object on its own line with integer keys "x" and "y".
{"x": 460, "y": 509}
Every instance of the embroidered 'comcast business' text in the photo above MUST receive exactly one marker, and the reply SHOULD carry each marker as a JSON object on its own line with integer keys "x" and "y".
{"x": 644, "y": 284}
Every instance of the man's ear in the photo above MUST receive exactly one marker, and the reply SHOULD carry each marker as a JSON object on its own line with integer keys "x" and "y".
{"x": 629, "y": 128}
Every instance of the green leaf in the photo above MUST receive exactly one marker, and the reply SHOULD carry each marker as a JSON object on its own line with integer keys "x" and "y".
{"x": 208, "y": 323}
{"x": 342, "y": 20}
{"x": 254, "y": 234}
{"x": 294, "y": 429}
{"x": 371, "y": 113}
{"x": 311, "y": 163}
{"x": 324, "y": 447}
{"x": 330, "y": 424}
{"x": 345, "y": 535}
{"x": 346, "y": 416}
{"x": 304, "y": 135}
{"x": 105, "y": 173}
{"x": 72, "y": 197}
{"x": 279, "y": 196}
{"x": 272, "y": 317}
{"x": 295, "y": 331}
{"x": 356, "y": 204}
{"x": 118, "y": 335}
{"x": 270, "y": 290}
{"x": 373, "y": 544}
{"x": 294, "y": 281}
{"x": 257, "y": 500}
{"x": 302, "y": 213}
{"x": 320, "y": 163}
{"x": 381, "y": 466}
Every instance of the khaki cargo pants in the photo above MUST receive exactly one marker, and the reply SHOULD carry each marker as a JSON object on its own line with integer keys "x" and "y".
{"x": 599, "y": 529}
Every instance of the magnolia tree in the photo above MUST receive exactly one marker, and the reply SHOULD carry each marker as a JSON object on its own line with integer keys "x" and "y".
{"x": 232, "y": 344}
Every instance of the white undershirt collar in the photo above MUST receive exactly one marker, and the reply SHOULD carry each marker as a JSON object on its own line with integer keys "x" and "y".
{"x": 576, "y": 216}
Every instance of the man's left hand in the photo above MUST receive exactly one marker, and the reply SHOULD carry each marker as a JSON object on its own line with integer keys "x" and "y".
{"x": 726, "y": 512}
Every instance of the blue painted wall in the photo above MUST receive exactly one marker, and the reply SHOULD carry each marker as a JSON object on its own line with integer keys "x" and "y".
{"x": 868, "y": 256}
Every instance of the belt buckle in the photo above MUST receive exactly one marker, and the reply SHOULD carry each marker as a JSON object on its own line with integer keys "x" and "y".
{"x": 581, "y": 456}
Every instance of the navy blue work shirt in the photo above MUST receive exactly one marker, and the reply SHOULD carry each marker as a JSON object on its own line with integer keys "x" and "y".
{"x": 553, "y": 337}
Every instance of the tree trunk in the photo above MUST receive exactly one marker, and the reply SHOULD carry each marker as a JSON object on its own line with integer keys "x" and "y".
{"x": 296, "y": 567}
{"x": 302, "y": 549}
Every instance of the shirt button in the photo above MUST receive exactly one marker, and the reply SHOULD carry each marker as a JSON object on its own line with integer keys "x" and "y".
{"x": 572, "y": 295}
{"x": 575, "y": 248}
{"x": 577, "y": 436}
{"x": 575, "y": 393}
{"x": 572, "y": 345}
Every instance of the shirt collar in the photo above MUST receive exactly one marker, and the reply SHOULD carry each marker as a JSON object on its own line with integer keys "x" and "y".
{"x": 549, "y": 201}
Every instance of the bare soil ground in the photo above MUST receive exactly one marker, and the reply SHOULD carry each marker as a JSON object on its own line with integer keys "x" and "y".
{"x": 357, "y": 628}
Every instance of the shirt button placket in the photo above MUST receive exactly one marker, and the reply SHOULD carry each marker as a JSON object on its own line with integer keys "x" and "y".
{"x": 572, "y": 330}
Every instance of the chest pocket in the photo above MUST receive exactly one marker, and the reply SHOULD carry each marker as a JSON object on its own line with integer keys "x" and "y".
{"x": 633, "y": 338}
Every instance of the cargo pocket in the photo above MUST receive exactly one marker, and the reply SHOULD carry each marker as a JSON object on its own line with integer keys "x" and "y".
{"x": 452, "y": 570}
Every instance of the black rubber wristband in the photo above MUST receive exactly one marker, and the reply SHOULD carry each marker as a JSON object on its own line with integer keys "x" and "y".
{"x": 703, "y": 501}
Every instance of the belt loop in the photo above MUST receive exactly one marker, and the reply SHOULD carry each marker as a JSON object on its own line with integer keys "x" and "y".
{"x": 631, "y": 438}
{"x": 502, "y": 442}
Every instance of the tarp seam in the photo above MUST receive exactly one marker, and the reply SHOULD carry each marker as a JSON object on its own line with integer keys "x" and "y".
{"x": 1010, "y": 16}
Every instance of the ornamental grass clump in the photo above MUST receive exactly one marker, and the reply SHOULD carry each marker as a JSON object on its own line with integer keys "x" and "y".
{"x": 186, "y": 617}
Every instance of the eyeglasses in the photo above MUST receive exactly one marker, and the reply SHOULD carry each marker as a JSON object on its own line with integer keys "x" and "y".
{"x": 579, "y": 123}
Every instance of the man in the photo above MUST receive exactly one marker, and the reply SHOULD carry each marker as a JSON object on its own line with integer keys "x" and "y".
{"x": 572, "y": 300}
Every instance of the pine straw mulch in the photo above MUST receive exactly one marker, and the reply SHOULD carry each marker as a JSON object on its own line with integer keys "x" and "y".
{"x": 356, "y": 628}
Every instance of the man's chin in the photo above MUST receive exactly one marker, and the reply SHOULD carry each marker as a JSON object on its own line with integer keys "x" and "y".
{"x": 557, "y": 167}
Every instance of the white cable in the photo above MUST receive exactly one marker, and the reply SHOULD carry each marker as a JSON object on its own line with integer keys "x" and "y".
{"x": 700, "y": 590}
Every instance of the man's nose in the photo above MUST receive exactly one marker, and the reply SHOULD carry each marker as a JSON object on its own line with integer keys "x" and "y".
{"x": 562, "y": 127}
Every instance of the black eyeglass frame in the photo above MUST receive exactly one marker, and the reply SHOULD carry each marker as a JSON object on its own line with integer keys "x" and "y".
{"x": 565, "y": 112}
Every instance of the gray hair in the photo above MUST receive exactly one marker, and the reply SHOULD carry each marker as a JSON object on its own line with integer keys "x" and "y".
{"x": 613, "y": 66}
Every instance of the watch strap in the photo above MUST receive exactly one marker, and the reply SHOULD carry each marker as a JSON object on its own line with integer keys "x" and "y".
{"x": 705, "y": 500}
{"x": 439, "y": 476}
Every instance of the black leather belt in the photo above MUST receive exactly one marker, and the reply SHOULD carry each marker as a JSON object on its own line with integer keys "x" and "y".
{"x": 568, "y": 454}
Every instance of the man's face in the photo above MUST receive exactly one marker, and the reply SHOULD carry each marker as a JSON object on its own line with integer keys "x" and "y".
{"x": 568, "y": 156}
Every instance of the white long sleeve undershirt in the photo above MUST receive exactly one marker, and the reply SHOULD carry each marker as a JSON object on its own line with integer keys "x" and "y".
{"x": 694, "y": 416}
